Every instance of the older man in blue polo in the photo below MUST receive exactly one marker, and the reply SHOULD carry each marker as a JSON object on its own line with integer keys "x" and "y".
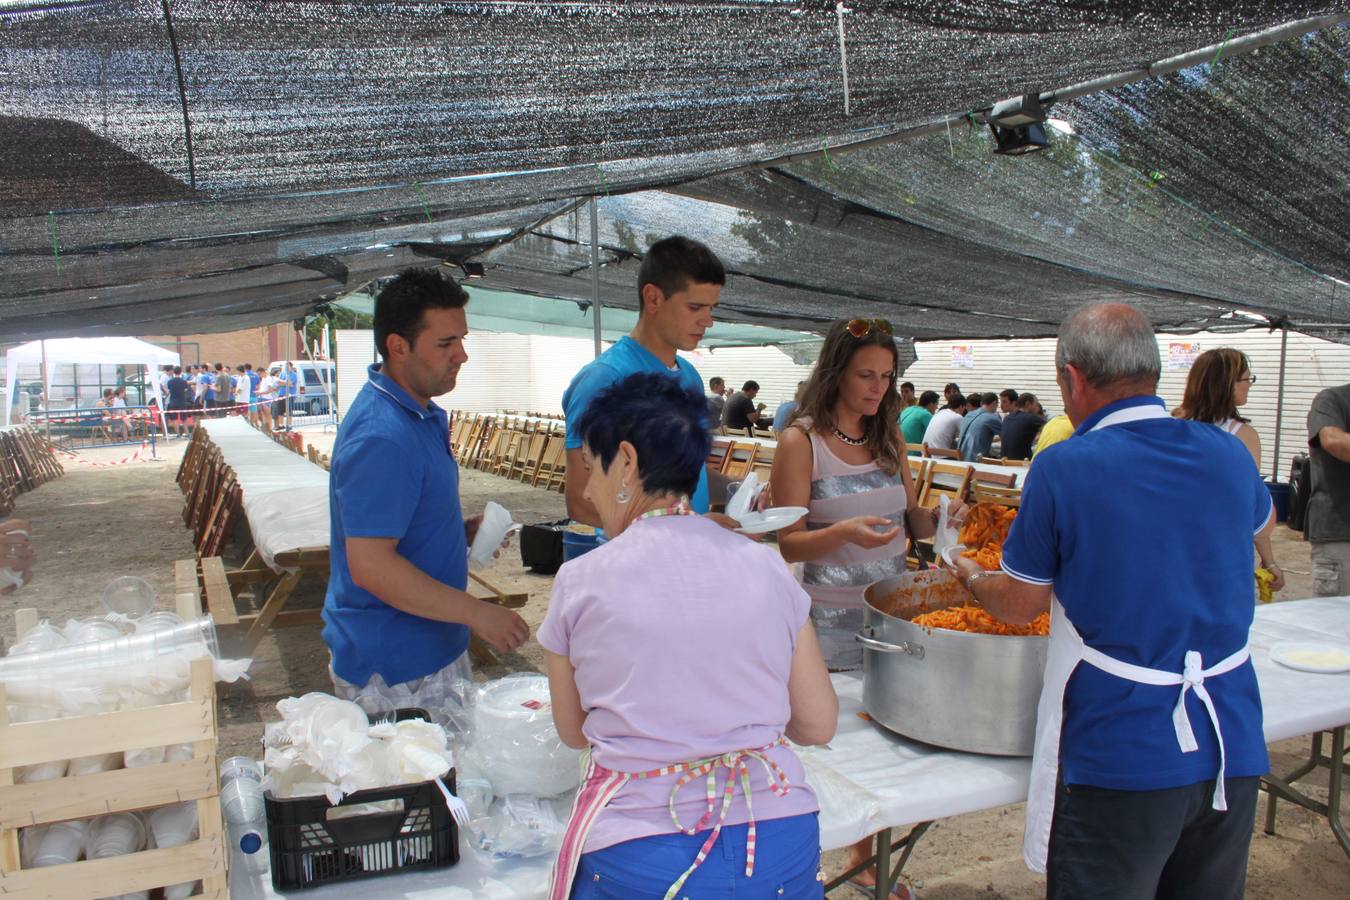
{"x": 1137, "y": 536}
{"x": 397, "y": 617}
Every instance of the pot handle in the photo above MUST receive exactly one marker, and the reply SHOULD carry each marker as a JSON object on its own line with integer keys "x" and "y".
{"x": 865, "y": 638}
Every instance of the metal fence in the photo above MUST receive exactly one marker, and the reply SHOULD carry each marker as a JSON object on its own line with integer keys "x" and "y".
{"x": 78, "y": 428}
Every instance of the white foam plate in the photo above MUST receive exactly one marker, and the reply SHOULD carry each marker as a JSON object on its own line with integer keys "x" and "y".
{"x": 951, "y": 552}
{"x": 1312, "y": 656}
{"x": 771, "y": 519}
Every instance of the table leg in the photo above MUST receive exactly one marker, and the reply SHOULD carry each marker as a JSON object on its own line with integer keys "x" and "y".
{"x": 881, "y": 860}
{"x": 1283, "y": 787}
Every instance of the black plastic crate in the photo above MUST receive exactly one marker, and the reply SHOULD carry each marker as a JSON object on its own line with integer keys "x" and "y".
{"x": 310, "y": 847}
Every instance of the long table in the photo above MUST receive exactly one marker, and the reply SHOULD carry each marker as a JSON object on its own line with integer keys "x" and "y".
{"x": 870, "y": 781}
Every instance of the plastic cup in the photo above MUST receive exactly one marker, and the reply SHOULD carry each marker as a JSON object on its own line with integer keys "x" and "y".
{"x": 42, "y": 636}
{"x": 115, "y": 835}
{"x": 173, "y": 825}
{"x": 62, "y": 844}
{"x": 146, "y": 756}
{"x": 495, "y": 526}
{"x": 240, "y": 767}
{"x": 242, "y": 801}
{"x": 89, "y": 765}
{"x": 46, "y": 771}
{"x": 92, "y": 631}
{"x": 30, "y": 839}
{"x": 159, "y": 620}
{"x": 129, "y": 596}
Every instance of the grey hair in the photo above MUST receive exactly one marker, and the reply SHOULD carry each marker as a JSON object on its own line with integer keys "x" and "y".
{"x": 1109, "y": 343}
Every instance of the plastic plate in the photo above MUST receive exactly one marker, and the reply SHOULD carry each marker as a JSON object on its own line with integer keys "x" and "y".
{"x": 1312, "y": 656}
{"x": 771, "y": 519}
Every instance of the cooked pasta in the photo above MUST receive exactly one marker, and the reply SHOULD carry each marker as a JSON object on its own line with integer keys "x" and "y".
{"x": 975, "y": 620}
{"x": 985, "y": 529}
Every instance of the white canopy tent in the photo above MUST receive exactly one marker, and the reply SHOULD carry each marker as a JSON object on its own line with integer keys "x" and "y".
{"x": 111, "y": 351}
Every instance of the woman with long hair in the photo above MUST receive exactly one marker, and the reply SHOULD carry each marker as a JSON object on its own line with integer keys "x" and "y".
{"x": 844, "y": 458}
{"x": 1219, "y": 382}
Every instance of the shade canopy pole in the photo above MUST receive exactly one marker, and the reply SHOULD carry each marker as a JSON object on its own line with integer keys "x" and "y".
{"x": 47, "y": 393}
{"x": 595, "y": 274}
{"x": 1279, "y": 404}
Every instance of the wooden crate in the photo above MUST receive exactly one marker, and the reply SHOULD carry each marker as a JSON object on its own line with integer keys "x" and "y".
{"x": 123, "y": 790}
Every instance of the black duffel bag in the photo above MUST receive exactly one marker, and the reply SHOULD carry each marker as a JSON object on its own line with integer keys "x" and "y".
{"x": 1300, "y": 486}
{"x": 541, "y": 546}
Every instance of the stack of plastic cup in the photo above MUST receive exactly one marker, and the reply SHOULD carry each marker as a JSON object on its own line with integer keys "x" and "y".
{"x": 129, "y": 597}
{"x": 172, "y": 826}
{"x": 89, "y": 631}
{"x": 30, "y": 839}
{"x": 159, "y": 620}
{"x": 89, "y": 765}
{"x": 62, "y": 844}
{"x": 116, "y": 651}
{"x": 241, "y": 800}
{"x": 42, "y": 636}
{"x": 114, "y": 835}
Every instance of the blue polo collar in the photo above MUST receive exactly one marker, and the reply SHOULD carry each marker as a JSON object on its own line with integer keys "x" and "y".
{"x": 1128, "y": 403}
{"x": 391, "y": 389}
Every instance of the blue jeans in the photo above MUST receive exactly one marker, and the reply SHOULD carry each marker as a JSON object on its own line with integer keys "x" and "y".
{"x": 787, "y": 858}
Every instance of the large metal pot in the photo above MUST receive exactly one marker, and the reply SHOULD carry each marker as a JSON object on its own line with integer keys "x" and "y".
{"x": 971, "y": 692}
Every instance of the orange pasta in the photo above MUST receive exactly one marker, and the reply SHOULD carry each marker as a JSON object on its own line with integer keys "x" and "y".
{"x": 975, "y": 620}
{"x": 985, "y": 529}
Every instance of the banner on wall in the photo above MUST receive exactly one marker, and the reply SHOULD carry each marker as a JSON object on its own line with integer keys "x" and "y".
{"x": 963, "y": 356}
{"x": 1182, "y": 354}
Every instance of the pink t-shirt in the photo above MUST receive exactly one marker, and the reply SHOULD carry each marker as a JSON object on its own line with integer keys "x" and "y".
{"x": 682, "y": 635}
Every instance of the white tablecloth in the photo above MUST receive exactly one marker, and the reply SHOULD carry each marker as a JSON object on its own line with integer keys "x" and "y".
{"x": 871, "y": 779}
{"x": 285, "y": 495}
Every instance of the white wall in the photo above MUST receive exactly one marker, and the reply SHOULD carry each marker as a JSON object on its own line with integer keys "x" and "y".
{"x": 1029, "y": 365}
{"x": 530, "y": 373}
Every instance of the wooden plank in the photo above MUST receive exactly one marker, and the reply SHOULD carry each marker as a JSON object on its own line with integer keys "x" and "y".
{"x": 303, "y": 558}
{"x": 219, "y": 598}
{"x": 121, "y": 790}
{"x": 9, "y": 839}
{"x": 27, "y": 743}
{"x": 287, "y": 619}
{"x": 276, "y": 601}
{"x": 118, "y": 875}
{"x": 481, "y": 654}
{"x": 502, "y": 597}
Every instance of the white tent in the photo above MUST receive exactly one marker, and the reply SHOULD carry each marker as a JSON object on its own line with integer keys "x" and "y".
{"x": 111, "y": 351}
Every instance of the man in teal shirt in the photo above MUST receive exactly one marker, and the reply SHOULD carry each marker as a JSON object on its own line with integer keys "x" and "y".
{"x": 914, "y": 421}
{"x": 679, "y": 283}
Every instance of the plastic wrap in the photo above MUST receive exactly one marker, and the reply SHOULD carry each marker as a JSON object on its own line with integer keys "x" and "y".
{"x": 514, "y": 744}
{"x": 446, "y": 695}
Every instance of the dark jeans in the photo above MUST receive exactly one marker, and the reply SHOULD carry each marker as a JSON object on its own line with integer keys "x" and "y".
{"x": 1132, "y": 845}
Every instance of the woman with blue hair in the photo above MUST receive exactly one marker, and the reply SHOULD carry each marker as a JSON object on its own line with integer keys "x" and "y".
{"x": 684, "y": 657}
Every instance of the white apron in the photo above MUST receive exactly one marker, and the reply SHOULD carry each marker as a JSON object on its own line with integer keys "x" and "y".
{"x": 1066, "y": 650}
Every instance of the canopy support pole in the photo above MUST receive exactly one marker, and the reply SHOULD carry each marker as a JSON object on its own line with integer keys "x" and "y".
{"x": 47, "y": 393}
{"x": 595, "y": 274}
{"x": 182, "y": 94}
{"x": 1279, "y": 404}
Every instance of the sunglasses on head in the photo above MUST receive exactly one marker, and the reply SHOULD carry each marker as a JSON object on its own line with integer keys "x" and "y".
{"x": 861, "y": 328}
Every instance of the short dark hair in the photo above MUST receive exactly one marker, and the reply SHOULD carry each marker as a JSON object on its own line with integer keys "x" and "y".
{"x": 671, "y": 264}
{"x": 907, "y": 384}
{"x": 400, "y": 305}
{"x": 988, "y": 397}
{"x": 974, "y": 400}
{"x": 928, "y": 397}
{"x": 220, "y": 366}
{"x": 952, "y": 386}
{"x": 1009, "y": 393}
{"x": 750, "y": 386}
{"x": 956, "y": 404}
{"x": 1026, "y": 400}
{"x": 178, "y": 370}
{"x": 717, "y": 379}
{"x": 665, "y": 423}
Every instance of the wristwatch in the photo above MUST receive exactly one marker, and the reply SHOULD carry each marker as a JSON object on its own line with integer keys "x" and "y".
{"x": 970, "y": 582}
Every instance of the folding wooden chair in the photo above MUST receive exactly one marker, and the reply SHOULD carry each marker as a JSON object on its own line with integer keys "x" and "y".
{"x": 992, "y": 479}
{"x": 718, "y": 453}
{"x": 552, "y": 462}
{"x": 527, "y": 466}
{"x": 763, "y": 466}
{"x": 981, "y": 492}
{"x": 940, "y": 452}
{"x": 945, "y": 480}
{"x": 740, "y": 459}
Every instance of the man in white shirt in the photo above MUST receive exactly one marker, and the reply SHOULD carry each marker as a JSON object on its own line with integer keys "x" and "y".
{"x": 267, "y": 393}
{"x": 946, "y": 425}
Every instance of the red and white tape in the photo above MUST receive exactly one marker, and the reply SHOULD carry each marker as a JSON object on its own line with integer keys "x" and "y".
{"x": 101, "y": 465}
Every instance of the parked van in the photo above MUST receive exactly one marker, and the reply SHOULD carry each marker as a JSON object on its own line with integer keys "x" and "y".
{"x": 314, "y": 376}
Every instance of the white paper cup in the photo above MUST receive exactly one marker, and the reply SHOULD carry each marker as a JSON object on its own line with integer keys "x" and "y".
{"x": 89, "y": 765}
{"x": 115, "y": 835}
{"x": 62, "y": 844}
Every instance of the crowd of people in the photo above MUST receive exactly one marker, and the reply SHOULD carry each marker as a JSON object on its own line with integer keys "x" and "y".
{"x": 679, "y": 652}
{"x": 204, "y": 390}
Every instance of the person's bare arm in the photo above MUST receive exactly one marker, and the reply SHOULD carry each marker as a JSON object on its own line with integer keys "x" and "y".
{"x": 1335, "y": 441}
{"x": 790, "y": 480}
{"x": 814, "y": 705}
{"x": 578, "y": 507}
{"x": 1252, "y": 441}
{"x": 565, "y": 700}
{"x": 1005, "y": 598}
{"x": 378, "y": 567}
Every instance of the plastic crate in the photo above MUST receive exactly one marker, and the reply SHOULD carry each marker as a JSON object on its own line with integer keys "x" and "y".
{"x": 311, "y": 846}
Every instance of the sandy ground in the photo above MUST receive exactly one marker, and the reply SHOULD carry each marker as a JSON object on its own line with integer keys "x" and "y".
{"x": 94, "y": 524}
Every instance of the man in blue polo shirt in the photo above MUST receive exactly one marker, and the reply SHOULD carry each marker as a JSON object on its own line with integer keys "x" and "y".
{"x": 1142, "y": 525}
{"x": 679, "y": 283}
{"x": 397, "y": 617}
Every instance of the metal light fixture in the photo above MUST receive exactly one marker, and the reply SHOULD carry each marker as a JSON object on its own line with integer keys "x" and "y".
{"x": 1018, "y": 125}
